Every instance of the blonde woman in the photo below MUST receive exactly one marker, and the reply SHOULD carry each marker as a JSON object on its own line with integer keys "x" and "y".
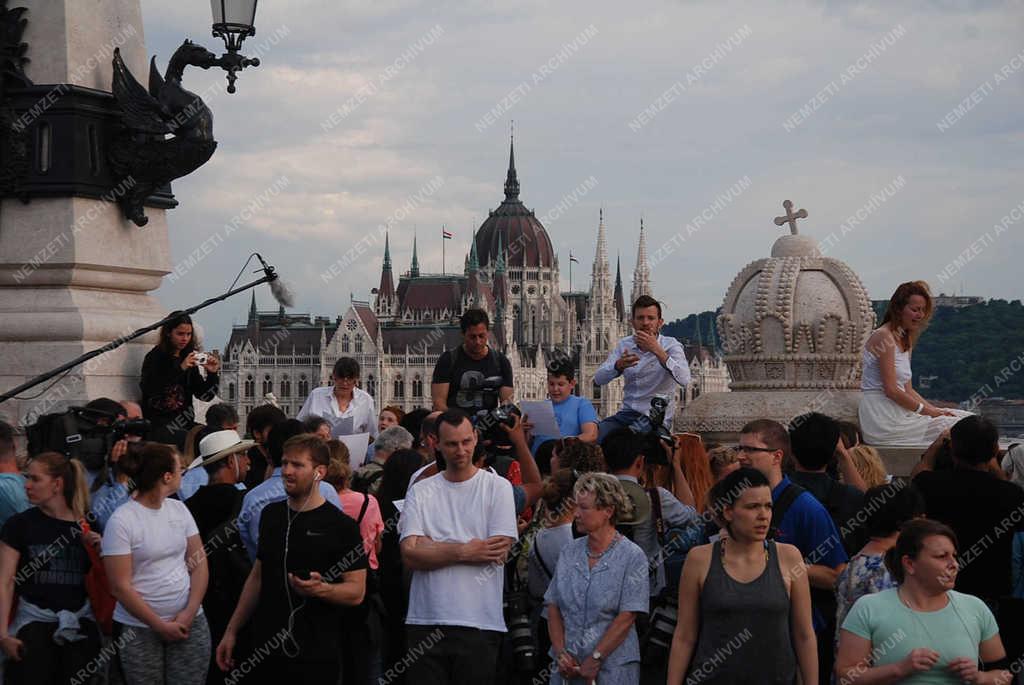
{"x": 600, "y": 585}
{"x": 868, "y": 463}
{"x": 53, "y": 635}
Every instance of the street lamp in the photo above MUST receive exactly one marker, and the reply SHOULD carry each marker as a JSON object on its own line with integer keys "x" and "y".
{"x": 234, "y": 21}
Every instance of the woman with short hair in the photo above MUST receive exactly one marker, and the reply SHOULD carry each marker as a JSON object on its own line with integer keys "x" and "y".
{"x": 43, "y": 560}
{"x": 744, "y": 593}
{"x": 921, "y": 631}
{"x": 157, "y": 570}
{"x": 600, "y": 585}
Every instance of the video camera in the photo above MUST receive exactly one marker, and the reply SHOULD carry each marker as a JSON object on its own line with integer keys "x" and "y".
{"x": 82, "y": 433}
{"x": 652, "y": 432}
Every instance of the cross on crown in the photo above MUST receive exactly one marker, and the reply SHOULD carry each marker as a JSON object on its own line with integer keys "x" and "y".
{"x": 790, "y": 216}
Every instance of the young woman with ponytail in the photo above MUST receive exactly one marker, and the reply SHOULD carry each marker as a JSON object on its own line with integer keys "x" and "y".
{"x": 43, "y": 561}
{"x": 157, "y": 570}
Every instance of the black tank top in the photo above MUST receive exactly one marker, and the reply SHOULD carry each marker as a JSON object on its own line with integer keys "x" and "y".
{"x": 744, "y": 627}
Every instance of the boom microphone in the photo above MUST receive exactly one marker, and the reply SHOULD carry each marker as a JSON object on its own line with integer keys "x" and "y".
{"x": 281, "y": 292}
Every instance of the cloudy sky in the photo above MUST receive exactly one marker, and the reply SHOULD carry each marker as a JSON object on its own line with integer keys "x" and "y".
{"x": 896, "y": 125}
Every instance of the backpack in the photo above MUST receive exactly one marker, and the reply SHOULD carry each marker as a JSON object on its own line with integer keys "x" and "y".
{"x": 75, "y": 433}
{"x": 367, "y": 479}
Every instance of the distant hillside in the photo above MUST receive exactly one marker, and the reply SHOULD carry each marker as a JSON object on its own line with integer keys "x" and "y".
{"x": 686, "y": 329}
{"x": 973, "y": 351}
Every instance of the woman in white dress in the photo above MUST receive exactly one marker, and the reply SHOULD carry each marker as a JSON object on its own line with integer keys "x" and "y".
{"x": 891, "y": 411}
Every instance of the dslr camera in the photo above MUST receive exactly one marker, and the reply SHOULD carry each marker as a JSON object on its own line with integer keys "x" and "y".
{"x": 652, "y": 432}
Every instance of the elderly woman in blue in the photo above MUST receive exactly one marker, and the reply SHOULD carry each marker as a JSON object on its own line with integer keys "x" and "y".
{"x": 921, "y": 631}
{"x": 599, "y": 586}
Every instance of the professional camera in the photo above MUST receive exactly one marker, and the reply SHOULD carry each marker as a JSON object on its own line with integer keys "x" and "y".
{"x": 82, "y": 433}
{"x": 489, "y": 422}
{"x": 479, "y": 393}
{"x": 651, "y": 429}
{"x": 517, "y": 616}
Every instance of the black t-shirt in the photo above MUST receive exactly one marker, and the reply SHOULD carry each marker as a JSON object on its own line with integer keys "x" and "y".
{"x": 53, "y": 562}
{"x": 984, "y": 512}
{"x": 257, "y": 468}
{"x": 323, "y": 540}
{"x": 842, "y": 502}
{"x": 464, "y": 373}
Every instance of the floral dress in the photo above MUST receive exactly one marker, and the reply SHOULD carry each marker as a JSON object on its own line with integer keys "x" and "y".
{"x": 866, "y": 574}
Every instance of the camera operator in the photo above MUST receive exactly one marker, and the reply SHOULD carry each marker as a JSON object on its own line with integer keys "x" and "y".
{"x": 652, "y": 365}
{"x": 111, "y": 487}
{"x": 627, "y": 455}
{"x": 460, "y": 372}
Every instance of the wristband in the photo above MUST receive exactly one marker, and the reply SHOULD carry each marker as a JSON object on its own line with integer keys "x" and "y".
{"x": 920, "y": 406}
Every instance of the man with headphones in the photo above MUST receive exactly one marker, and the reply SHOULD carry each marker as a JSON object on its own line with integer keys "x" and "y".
{"x": 310, "y": 565}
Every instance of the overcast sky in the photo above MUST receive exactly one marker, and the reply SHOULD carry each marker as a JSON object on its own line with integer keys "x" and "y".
{"x": 896, "y": 125}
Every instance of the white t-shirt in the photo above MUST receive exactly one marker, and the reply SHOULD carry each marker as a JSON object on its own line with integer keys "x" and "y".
{"x": 462, "y": 594}
{"x": 156, "y": 539}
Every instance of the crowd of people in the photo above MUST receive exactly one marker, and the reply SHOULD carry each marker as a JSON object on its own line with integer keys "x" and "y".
{"x": 462, "y": 547}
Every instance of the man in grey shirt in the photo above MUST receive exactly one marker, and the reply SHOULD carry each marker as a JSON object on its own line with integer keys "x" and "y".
{"x": 623, "y": 452}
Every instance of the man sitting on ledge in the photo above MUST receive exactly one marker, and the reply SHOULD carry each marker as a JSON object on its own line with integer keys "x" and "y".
{"x": 652, "y": 364}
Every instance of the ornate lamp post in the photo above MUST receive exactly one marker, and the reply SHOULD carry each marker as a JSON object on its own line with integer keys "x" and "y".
{"x": 234, "y": 21}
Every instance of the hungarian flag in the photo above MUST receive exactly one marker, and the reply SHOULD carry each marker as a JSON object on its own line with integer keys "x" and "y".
{"x": 573, "y": 259}
{"x": 445, "y": 234}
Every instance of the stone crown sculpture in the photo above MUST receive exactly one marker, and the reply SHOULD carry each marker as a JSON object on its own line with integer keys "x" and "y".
{"x": 796, "y": 320}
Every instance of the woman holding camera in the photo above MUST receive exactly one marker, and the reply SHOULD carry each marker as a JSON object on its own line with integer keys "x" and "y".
{"x": 43, "y": 560}
{"x": 171, "y": 378}
{"x": 600, "y": 585}
{"x": 157, "y": 570}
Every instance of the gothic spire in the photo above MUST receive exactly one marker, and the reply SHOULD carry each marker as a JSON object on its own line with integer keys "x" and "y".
{"x": 642, "y": 271}
{"x": 620, "y": 307}
{"x": 414, "y": 270}
{"x": 474, "y": 260}
{"x": 386, "y": 289}
{"x": 252, "y": 309}
{"x": 511, "y": 180}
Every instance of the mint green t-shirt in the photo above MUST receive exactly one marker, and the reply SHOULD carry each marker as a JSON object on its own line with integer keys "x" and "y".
{"x": 894, "y": 630}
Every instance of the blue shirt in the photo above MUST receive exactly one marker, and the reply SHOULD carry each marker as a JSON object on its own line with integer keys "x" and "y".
{"x": 106, "y": 500}
{"x": 270, "y": 490}
{"x": 589, "y": 599}
{"x": 192, "y": 480}
{"x": 13, "y": 499}
{"x": 570, "y": 414}
{"x": 808, "y": 527}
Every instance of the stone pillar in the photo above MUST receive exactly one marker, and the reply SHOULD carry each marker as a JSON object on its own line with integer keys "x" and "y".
{"x": 74, "y": 273}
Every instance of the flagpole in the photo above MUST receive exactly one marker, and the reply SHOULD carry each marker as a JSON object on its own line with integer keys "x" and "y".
{"x": 570, "y": 270}
{"x": 442, "y": 249}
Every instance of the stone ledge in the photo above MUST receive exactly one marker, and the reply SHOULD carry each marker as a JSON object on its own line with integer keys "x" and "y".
{"x": 900, "y": 460}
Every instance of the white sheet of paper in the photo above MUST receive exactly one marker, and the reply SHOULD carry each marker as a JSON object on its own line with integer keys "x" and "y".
{"x": 399, "y": 504}
{"x": 542, "y": 416}
{"x": 356, "y": 445}
{"x": 345, "y": 426}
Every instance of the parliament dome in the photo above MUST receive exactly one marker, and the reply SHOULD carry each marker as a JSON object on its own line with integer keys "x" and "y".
{"x": 514, "y": 229}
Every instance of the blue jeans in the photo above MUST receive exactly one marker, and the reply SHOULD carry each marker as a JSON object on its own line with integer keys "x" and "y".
{"x": 624, "y": 418}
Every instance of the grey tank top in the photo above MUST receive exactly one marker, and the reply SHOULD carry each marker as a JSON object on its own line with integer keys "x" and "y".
{"x": 744, "y": 627}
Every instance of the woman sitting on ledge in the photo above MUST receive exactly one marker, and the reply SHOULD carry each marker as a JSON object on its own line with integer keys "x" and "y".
{"x": 891, "y": 411}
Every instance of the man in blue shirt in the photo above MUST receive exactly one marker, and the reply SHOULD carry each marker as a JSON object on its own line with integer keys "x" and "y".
{"x": 801, "y": 521}
{"x": 12, "y": 484}
{"x": 575, "y": 415}
{"x": 272, "y": 489}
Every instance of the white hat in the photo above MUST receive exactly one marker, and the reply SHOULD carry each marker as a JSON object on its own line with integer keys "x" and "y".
{"x": 218, "y": 445}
